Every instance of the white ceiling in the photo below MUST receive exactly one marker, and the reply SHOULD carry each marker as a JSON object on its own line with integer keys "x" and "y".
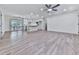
{"x": 26, "y": 9}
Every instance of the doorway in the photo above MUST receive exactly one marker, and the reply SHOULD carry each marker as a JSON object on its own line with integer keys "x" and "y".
{"x": 0, "y": 26}
{"x": 16, "y": 25}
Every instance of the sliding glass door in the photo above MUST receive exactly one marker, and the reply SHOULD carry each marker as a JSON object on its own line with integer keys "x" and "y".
{"x": 0, "y": 26}
{"x": 20, "y": 25}
{"x": 16, "y": 25}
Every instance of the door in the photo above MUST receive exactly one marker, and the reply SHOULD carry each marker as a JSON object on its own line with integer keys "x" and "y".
{"x": 20, "y": 25}
{"x": 0, "y": 26}
{"x": 78, "y": 24}
{"x": 16, "y": 25}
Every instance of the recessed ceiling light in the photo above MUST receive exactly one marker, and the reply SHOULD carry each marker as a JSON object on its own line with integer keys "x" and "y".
{"x": 31, "y": 13}
{"x": 64, "y": 9}
{"x": 41, "y": 9}
{"x": 37, "y": 15}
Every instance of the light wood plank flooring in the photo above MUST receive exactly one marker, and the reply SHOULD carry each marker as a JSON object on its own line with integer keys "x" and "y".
{"x": 39, "y": 43}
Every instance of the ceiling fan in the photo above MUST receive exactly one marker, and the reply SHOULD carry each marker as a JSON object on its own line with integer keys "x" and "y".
{"x": 51, "y": 8}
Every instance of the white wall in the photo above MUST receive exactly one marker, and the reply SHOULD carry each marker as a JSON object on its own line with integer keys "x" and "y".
{"x": 7, "y": 20}
{"x": 3, "y": 24}
{"x": 4, "y": 21}
{"x": 63, "y": 23}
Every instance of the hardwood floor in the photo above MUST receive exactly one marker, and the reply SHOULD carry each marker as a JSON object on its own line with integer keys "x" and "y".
{"x": 39, "y": 43}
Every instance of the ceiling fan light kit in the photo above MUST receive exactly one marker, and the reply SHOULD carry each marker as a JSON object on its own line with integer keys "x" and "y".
{"x": 50, "y": 8}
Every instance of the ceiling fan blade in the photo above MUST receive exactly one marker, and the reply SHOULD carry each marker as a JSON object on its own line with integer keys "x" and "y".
{"x": 56, "y": 6}
{"x": 54, "y": 9}
{"x": 48, "y": 5}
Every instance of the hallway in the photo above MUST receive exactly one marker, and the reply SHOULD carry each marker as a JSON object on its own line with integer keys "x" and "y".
{"x": 39, "y": 43}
